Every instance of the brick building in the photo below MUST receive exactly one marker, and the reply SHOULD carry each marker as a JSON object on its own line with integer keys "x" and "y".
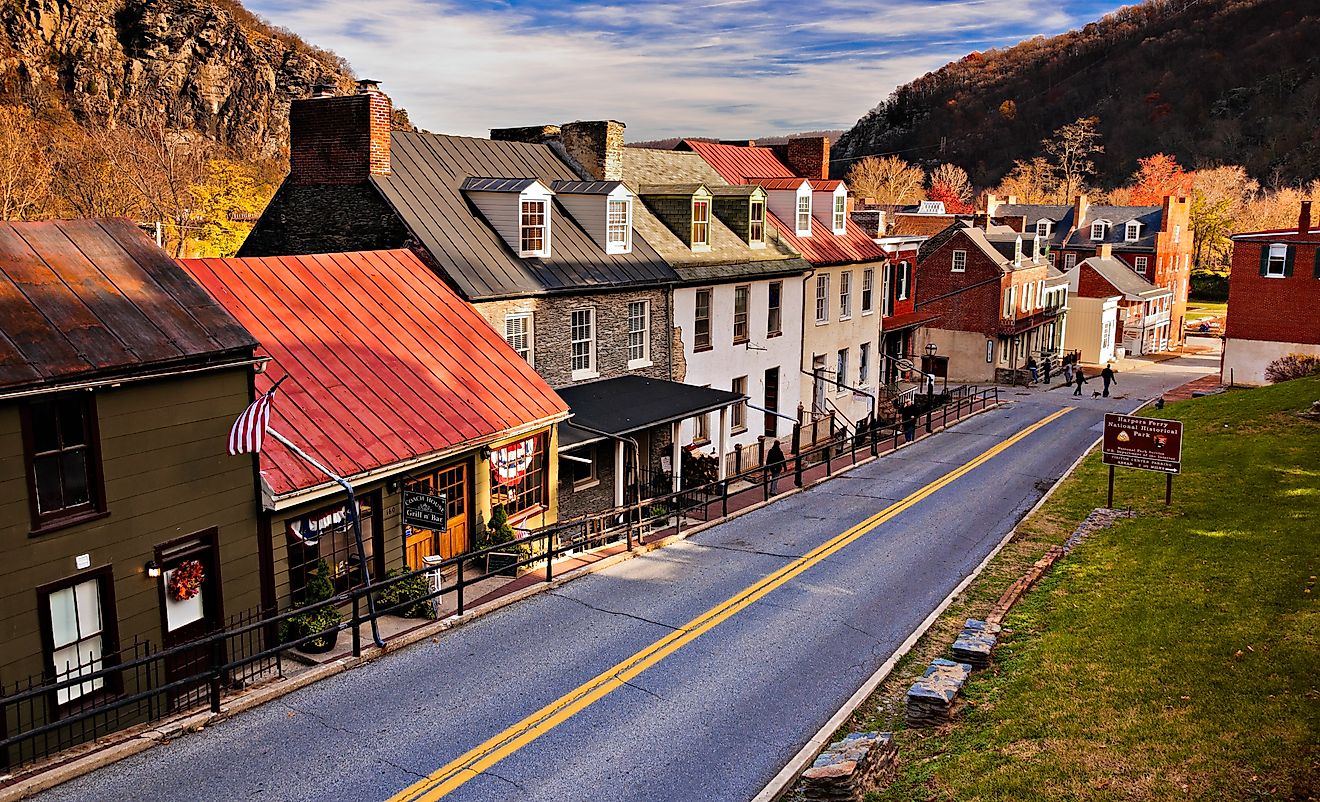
{"x": 1273, "y": 299}
{"x": 1142, "y": 309}
{"x": 998, "y": 300}
{"x": 1155, "y": 242}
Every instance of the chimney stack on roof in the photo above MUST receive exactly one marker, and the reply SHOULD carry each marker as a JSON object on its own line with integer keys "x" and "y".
{"x": 1105, "y": 251}
{"x": 1304, "y": 218}
{"x": 368, "y": 86}
{"x": 1080, "y": 207}
{"x": 808, "y": 156}
{"x": 596, "y": 146}
{"x": 340, "y": 139}
{"x": 991, "y": 205}
{"x": 323, "y": 89}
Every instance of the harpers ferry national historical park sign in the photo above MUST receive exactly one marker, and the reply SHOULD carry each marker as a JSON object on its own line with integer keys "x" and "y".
{"x": 1147, "y": 444}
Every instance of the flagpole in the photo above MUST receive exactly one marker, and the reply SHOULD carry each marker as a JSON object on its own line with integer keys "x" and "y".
{"x": 353, "y": 516}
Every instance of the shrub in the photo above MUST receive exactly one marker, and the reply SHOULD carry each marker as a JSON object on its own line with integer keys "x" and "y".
{"x": 414, "y": 589}
{"x": 319, "y": 588}
{"x": 1292, "y": 366}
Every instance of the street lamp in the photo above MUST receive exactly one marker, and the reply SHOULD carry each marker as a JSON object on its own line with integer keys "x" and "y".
{"x": 931, "y": 348}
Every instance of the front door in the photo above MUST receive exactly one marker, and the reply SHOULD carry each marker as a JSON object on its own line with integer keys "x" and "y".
{"x": 818, "y": 384}
{"x": 419, "y": 543}
{"x": 191, "y": 607}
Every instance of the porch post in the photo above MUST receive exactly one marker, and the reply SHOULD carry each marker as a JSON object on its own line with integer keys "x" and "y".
{"x": 676, "y": 456}
{"x": 721, "y": 469}
{"x": 620, "y": 468}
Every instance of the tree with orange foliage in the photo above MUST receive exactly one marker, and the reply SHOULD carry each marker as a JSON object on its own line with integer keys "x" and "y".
{"x": 942, "y": 191}
{"x": 1158, "y": 176}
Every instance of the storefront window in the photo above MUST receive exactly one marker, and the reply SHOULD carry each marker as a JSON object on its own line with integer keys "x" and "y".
{"x": 518, "y": 475}
{"x": 327, "y": 534}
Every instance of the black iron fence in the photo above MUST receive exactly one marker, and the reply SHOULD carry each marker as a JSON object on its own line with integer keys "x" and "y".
{"x": 144, "y": 683}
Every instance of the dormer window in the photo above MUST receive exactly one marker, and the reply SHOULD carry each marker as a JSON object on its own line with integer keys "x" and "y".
{"x": 840, "y": 213}
{"x": 804, "y": 215}
{"x": 700, "y": 223}
{"x": 1099, "y": 230}
{"x": 756, "y": 224}
{"x": 618, "y": 226}
{"x": 532, "y": 229}
{"x": 518, "y": 209}
{"x": 1017, "y": 251}
{"x": 1132, "y": 231}
{"x": 1044, "y": 227}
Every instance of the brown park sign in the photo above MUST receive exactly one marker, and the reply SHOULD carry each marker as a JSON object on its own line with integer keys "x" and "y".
{"x": 1149, "y": 444}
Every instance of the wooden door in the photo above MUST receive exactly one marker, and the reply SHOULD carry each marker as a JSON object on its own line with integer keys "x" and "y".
{"x": 187, "y": 619}
{"x": 453, "y": 481}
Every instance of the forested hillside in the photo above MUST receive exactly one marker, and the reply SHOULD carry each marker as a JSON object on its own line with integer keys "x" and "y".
{"x": 1228, "y": 82}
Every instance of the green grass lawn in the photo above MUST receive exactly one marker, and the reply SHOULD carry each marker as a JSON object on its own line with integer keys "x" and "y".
{"x": 1173, "y": 656}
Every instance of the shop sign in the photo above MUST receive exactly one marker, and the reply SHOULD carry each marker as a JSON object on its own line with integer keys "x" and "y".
{"x": 425, "y": 510}
{"x": 1148, "y": 444}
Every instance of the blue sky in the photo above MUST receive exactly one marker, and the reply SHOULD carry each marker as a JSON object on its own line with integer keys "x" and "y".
{"x": 726, "y": 68}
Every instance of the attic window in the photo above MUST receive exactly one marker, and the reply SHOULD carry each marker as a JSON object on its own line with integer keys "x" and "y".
{"x": 804, "y": 214}
{"x": 840, "y": 213}
{"x": 756, "y": 229}
{"x": 1043, "y": 228}
{"x": 700, "y": 223}
{"x": 1132, "y": 231}
{"x": 618, "y": 226}
{"x": 1099, "y": 230}
{"x": 532, "y": 229}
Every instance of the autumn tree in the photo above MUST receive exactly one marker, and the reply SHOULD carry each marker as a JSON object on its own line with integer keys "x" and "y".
{"x": 1030, "y": 182}
{"x": 161, "y": 165}
{"x": 1220, "y": 195}
{"x": 950, "y": 185}
{"x": 25, "y": 171}
{"x": 227, "y": 200}
{"x": 1158, "y": 176}
{"x": 887, "y": 180}
{"x": 1071, "y": 148}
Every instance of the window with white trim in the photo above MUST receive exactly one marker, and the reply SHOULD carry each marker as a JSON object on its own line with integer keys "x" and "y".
{"x": 639, "y": 334}
{"x": 618, "y": 226}
{"x": 864, "y": 365}
{"x": 823, "y": 298}
{"x": 840, "y": 213}
{"x": 1069, "y": 260}
{"x": 1132, "y": 231}
{"x": 701, "y": 321}
{"x": 700, "y": 223}
{"x": 756, "y": 229}
{"x": 583, "y": 340}
{"x": 1276, "y": 265}
{"x": 1141, "y": 263}
{"x": 845, "y": 295}
{"x": 886, "y": 284}
{"x": 903, "y": 280}
{"x": 1043, "y": 228}
{"x": 518, "y": 334}
{"x": 741, "y": 297}
{"x": 960, "y": 261}
{"x": 80, "y": 634}
{"x": 701, "y": 431}
{"x": 532, "y": 240}
{"x": 1099, "y": 230}
{"x": 1010, "y": 301}
{"x": 868, "y": 282}
{"x": 774, "y": 309}
{"x": 804, "y": 214}
{"x": 841, "y": 374}
{"x": 738, "y": 412}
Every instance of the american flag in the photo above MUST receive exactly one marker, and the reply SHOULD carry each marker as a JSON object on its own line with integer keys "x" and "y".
{"x": 248, "y": 432}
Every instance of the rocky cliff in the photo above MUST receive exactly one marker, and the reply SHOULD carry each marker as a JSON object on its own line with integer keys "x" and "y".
{"x": 201, "y": 65}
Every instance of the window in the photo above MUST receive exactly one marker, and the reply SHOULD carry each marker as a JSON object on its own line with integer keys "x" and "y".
{"x": 1107, "y": 335}
{"x": 80, "y": 623}
{"x": 1131, "y": 231}
{"x": 583, "y": 336}
{"x": 64, "y": 459}
{"x": 1141, "y": 264}
{"x": 756, "y": 228}
{"x": 960, "y": 261}
{"x": 639, "y": 334}
{"x": 518, "y": 474}
{"x": 841, "y": 370}
{"x": 840, "y": 213}
{"x": 1177, "y": 234}
{"x": 868, "y": 279}
{"x": 1099, "y": 230}
{"x": 738, "y": 412}
{"x": 1051, "y": 258}
{"x": 1028, "y": 295}
{"x": 701, "y": 324}
{"x": 1017, "y": 250}
{"x": 740, "y": 297}
{"x": 532, "y": 229}
{"x": 1010, "y": 302}
{"x": 327, "y": 534}
{"x": 804, "y": 214}
{"x": 903, "y": 277}
{"x": 582, "y": 471}
{"x": 1276, "y": 264}
{"x": 1043, "y": 228}
{"x": 1069, "y": 260}
{"x": 518, "y": 333}
{"x": 989, "y": 351}
{"x": 774, "y": 313}
{"x": 701, "y": 432}
{"x": 700, "y": 223}
{"x": 771, "y": 401}
{"x": 823, "y": 298}
{"x": 864, "y": 365}
{"x": 886, "y": 290}
{"x": 845, "y": 295}
{"x": 618, "y": 226}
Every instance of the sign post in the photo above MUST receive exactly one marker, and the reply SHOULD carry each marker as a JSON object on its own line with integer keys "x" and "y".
{"x": 1147, "y": 444}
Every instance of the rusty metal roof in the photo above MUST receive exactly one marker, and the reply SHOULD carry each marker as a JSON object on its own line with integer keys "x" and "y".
{"x": 84, "y": 300}
{"x": 385, "y": 362}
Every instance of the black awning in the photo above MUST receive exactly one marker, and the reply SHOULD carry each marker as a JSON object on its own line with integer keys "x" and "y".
{"x": 631, "y": 403}
{"x": 571, "y": 436}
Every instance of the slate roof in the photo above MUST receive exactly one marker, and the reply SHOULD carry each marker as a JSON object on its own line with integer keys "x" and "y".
{"x": 738, "y": 164}
{"x": 996, "y": 242}
{"x": 427, "y": 173}
{"x": 84, "y": 300}
{"x": 1122, "y": 278}
{"x": 384, "y": 361}
{"x": 1150, "y": 218}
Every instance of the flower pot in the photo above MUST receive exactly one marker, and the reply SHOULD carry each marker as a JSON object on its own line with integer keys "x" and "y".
{"x": 320, "y": 645}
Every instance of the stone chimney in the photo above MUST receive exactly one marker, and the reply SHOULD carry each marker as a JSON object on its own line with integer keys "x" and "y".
{"x": 535, "y": 134}
{"x": 992, "y": 204}
{"x": 1105, "y": 251}
{"x": 809, "y": 156}
{"x": 1304, "y": 218}
{"x": 1080, "y": 207}
{"x": 596, "y": 146}
{"x": 340, "y": 139}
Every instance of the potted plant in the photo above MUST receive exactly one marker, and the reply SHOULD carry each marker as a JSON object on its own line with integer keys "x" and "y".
{"x": 498, "y": 532}
{"x": 325, "y": 619}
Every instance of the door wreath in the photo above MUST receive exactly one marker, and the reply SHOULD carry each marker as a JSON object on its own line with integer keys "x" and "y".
{"x": 185, "y": 581}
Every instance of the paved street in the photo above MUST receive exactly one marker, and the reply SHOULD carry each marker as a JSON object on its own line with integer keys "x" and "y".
{"x": 712, "y": 720}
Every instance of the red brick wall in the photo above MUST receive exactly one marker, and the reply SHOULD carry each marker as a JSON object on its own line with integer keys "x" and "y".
{"x": 809, "y": 156}
{"x": 973, "y": 309}
{"x": 1274, "y": 309}
{"x": 1091, "y": 285}
{"x": 339, "y": 140}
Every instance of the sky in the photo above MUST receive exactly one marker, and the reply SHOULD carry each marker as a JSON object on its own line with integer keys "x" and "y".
{"x": 724, "y": 68}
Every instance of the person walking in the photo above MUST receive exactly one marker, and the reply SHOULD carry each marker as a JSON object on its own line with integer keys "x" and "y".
{"x": 1067, "y": 371}
{"x": 1108, "y": 375}
{"x": 1031, "y": 368}
{"x": 1080, "y": 379}
{"x": 1047, "y": 365}
{"x": 774, "y": 463}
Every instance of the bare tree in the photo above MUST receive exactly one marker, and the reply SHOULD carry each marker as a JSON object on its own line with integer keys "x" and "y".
{"x": 24, "y": 167}
{"x": 1071, "y": 147}
{"x": 955, "y": 179}
{"x": 85, "y": 182}
{"x": 1029, "y": 182}
{"x": 887, "y": 180}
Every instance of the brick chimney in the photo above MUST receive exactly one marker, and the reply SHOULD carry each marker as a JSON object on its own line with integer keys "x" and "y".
{"x": 808, "y": 156}
{"x": 1304, "y": 218}
{"x": 596, "y": 146}
{"x": 992, "y": 204}
{"x": 1080, "y": 207}
{"x": 340, "y": 139}
{"x": 1105, "y": 251}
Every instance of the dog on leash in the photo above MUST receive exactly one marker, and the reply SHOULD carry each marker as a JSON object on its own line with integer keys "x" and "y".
{"x": 1095, "y": 394}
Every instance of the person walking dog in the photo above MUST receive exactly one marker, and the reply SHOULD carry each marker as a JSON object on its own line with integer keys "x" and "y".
{"x": 774, "y": 463}
{"x": 1108, "y": 375}
{"x": 1079, "y": 380}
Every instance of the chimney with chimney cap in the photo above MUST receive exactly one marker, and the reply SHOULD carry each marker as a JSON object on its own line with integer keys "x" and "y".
{"x": 323, "y": 89}
{"x": 1304, "y": 218}
{"x": 340, "y": 139}
{"x": 991, "y": 205}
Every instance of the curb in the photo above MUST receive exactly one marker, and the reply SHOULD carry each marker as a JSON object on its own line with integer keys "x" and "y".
{"x": 132, "y": 742}
{"x": 787, "y": 777}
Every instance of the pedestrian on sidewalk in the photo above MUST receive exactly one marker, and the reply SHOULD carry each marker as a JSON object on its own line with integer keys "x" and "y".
{"x": 1048, "y": 365}
{"x": 774, "y": 463}
{"x": 1081, "y": 379}
{"x": 1067, "y": 371}
{"x": 1108, "y": 375}
{"x": 1031, "y": 367}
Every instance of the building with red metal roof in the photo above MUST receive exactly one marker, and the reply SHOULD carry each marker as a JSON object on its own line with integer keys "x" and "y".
{"x": 393, "y": 382}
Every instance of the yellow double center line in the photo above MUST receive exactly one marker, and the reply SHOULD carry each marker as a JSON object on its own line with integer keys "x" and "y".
{"x": 472, "y": 763}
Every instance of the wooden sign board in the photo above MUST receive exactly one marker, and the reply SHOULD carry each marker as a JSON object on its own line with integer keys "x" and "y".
{"x": 1148, "y": 444}
{"x": 425, "y": 510}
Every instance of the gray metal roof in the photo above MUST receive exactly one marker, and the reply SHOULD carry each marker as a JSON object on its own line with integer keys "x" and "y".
{"x": 585, "y": 187}
{"x": 736, "y": 190}
{"x": 1123, "y": 278}
{"x": 425, "y": 188}
{"x": 496, "y": 184}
